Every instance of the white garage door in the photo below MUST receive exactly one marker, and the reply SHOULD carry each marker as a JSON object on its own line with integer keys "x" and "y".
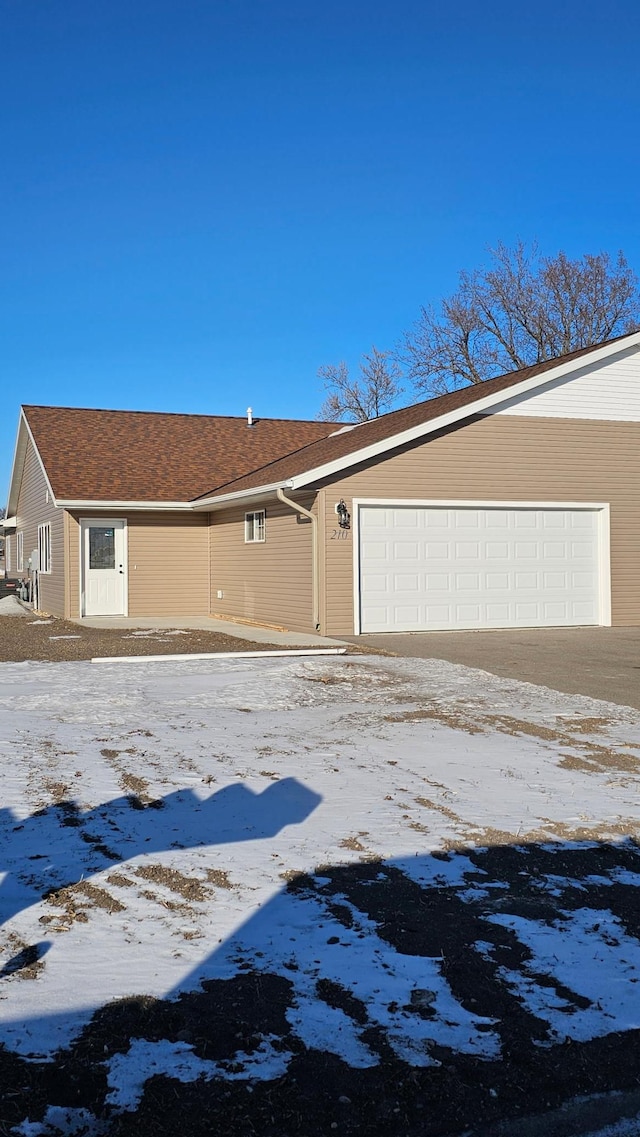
{"x": 429, "y": 568}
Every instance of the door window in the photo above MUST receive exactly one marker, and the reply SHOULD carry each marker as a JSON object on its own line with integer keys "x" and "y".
{"x": 102, "y": 547}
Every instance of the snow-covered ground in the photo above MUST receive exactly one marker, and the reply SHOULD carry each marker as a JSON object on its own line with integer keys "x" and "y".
{"x": 153, "y": 815}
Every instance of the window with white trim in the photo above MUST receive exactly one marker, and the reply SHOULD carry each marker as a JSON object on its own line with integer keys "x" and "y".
{"x": 44, "y": 547}
{"x": 20, "y": 551}
{"x": 254, "y": 526}
{"x": 7, "y": 554}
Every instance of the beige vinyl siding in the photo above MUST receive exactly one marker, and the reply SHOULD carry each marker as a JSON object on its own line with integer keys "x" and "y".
{"x": 503, "y": 458}
{"x": 270, "y": 581}
{"x": 168, "y": 563}
{"x": 35, "y": 508}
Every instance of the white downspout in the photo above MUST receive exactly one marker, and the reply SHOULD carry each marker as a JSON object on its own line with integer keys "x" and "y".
{"x": 315, "y": 591}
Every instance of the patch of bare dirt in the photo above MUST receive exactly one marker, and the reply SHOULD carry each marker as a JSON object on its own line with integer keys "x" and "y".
{"x": 218, "y": 878}
{"x": 134, "y": 783}
{"x": 448, "y": 717}
{"x": 353, "y": 843}
{"x": 427, "y": 803}
{"x": 28, "y": 639}
{"x": 26, "y": 961}
{"x": 592, "y": 756}
{"x": 330, "y": 680}
{"x": 584, "y": 723}
{"x": 58, "y": 791}
{"x": 119, "y": 880}
{"x": 572, "y": 762}
{"x": 73, "y": 902}
{"x": 186, "y": 886}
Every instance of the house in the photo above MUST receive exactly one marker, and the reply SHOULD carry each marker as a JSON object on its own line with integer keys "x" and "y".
{"x": 515, "y": 503}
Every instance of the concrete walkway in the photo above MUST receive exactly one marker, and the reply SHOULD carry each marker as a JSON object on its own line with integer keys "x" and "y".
{"x": 251, "y": 632}
{"x": 603, "y": 663}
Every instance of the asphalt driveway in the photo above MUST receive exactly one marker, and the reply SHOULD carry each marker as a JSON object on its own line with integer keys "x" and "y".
{"x": 603, "y": 663}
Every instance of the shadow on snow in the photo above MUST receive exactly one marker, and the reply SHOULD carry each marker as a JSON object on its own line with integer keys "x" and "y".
{"x": 427, "y": 994}
{"x": 61, "y": 844}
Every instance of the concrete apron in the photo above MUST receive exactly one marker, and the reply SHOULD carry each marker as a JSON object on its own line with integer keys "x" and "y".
{"x": 250, "y": 632}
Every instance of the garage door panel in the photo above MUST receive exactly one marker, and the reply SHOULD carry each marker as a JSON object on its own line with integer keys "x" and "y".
{"x": 439, "y": 567}
{"x": 467, "y": 582}
{"x": 525, "y": 519}
{"x": 498, "y": 614}
{"x": 496, "y": 551}
{"x": 578, "y": 549}
{"x": 496, "y": 519}
{"x": 555, "y": 610}
{"x": 469, "y": 613}
{"x": 560, "y": 580}
{"x": 583, "y": 520}
{"x": 526, "y": 580}
{"x": 407, "y": 550}
{"x": 525, "y": 551}
{"x": 436, "y": 614}
{"x": 407, "y": 583}
{"x": 496, "y": 581}
{"x": 464, "y": 550}
{"x": 587, "y": 612}
{"x": 583, "y": 580}
{"x": 471, "y": 520}
{"x": 527, "y": 611}
{"x": 435, "y": 519}
{"x": 555, "y": 520}
{"x": 435, "y": 582}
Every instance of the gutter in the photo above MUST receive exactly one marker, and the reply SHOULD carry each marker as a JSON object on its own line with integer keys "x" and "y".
{"x": 315, "y": 590}
{"x": 99, "y": 506}
{"x": 255, "y": 494}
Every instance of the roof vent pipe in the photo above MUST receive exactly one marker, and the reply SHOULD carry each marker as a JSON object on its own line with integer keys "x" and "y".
{"x": 249, "y": 417}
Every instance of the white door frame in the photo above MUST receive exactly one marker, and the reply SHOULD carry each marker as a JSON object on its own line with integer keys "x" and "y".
{"x": 85, "y": 522}
{"x": 604, "y": 537}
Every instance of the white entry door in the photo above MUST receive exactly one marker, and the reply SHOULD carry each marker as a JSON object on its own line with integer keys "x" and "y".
{"x": 104, "y": 570}
{"x": 441, "y": 568}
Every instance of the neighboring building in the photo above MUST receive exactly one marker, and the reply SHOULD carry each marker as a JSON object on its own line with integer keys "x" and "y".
{"x": 515, "y": 503}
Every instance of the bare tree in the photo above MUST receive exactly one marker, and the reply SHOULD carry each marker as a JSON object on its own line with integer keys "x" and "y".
{"x": 368, "y": 397}
{"x": 523, "y": 309}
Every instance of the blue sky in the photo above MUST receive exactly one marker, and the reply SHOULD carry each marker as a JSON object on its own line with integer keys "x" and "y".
{"x": 202, "y": 201}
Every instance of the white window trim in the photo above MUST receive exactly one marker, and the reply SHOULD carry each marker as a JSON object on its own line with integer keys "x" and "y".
{"x": 20, "y": 551}
{"x": 7, "y": 554}
{"x": 44, "y": 547}
{"x": 255, "y": 527}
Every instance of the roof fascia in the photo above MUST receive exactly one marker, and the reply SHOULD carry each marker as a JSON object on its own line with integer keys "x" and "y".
{"x": 213, "y": 503}
{"x": 19, "y": 452}
{"x": 479, "y": 406}
{"x": 23, "y": 437}
{"x": 85, "y": 503}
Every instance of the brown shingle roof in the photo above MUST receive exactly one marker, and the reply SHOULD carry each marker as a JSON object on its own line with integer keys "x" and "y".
{"x": 330, "y": 449}
{"x": 103, "y": 455}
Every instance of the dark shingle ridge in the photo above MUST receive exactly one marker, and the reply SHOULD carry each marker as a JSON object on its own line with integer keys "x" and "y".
{"x": 179, "y": 414}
